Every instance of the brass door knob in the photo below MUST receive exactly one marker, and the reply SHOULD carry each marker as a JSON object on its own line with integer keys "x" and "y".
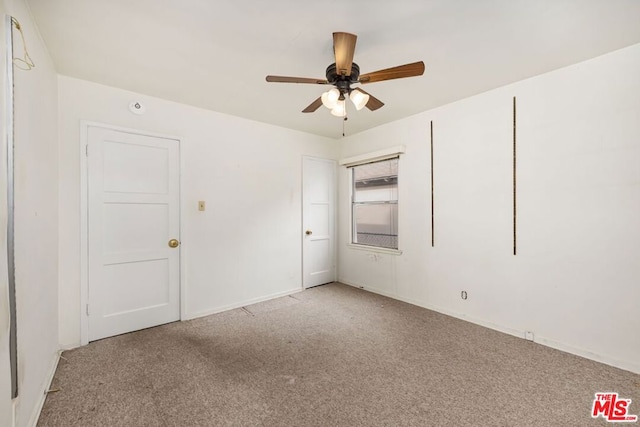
{"x": 308, "y": 232}
{"x": 174, "y": 243}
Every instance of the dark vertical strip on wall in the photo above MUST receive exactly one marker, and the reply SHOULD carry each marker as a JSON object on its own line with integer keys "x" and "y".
{"x": 13, "y": 338}
{"x": 432, "y": 204}
{"x": 514, "y": 177}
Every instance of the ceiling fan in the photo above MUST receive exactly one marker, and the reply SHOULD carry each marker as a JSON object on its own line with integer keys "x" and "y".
{"x": 343, "y": 73}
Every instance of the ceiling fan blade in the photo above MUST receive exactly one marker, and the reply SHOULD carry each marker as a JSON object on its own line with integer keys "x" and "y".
{"x": 344, "y": 46}
{"x": 313, "y": 106}
{"x": 284, "y": 79}
{"x": 374, "y": 103}
{"x": 399, "y": 72}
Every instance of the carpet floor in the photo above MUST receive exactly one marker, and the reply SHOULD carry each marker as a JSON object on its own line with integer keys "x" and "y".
{"x": 329, "y": 356}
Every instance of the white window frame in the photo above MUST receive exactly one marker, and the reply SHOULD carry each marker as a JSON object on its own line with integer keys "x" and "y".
{"x": 375, "y": 156}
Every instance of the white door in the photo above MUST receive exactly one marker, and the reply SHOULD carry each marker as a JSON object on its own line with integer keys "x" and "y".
{"x": 318, "y": 221}
{"x": 133, "y": 213}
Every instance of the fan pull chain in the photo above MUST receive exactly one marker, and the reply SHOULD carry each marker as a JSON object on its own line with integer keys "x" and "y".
{"x": 345, "y": 118}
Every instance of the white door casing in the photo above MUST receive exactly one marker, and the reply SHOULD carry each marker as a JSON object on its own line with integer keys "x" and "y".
{"x": 318, "y": 221}
{"x": 133, "y": 196}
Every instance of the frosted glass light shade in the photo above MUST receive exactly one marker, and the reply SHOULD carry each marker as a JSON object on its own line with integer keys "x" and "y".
{"x": 340, "y": 109}
{"x": 330, "y": 98}
{"x": 359, "y": 99}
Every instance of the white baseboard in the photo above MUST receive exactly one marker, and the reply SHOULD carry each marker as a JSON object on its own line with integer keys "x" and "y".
{"x": 35, "y": 415}
{"x": 461, "y": 316}
{"x": 215, "y": 310}
{"x": 220, "y": 309}
{"x": 626, "y": 365}
{"x": 607, "y": 360}
{"x": 65, "y": 347}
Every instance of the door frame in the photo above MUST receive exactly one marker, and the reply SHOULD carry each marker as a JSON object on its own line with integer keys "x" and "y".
{"x": 334, "y": 234}
{"x": 84, "y": 220}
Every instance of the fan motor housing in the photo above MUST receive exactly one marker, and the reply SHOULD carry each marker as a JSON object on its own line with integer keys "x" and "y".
{"x": 334, "y": 78}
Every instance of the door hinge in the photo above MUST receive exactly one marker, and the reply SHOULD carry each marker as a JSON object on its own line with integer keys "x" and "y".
{"x": 87, "y": 309}
{"x": 86, "y": 150}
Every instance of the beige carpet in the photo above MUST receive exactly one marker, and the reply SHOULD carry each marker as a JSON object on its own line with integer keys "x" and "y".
{"x": 328, "y": 356}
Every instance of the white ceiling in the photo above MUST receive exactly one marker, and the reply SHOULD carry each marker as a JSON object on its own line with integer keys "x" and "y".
{"x": 215, "y": 54}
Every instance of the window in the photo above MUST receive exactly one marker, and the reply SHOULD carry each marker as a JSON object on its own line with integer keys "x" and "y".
{"x": 374, "y": 204}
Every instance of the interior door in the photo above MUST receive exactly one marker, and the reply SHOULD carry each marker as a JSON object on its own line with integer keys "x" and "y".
{"x": 133, "y": 215}
{"x": 318, "y": 195}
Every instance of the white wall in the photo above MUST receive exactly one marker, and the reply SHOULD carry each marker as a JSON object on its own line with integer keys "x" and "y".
{"x": 574, "y": 282}
{"x": 36, "y": 224}
{"x": 247, "y": 245}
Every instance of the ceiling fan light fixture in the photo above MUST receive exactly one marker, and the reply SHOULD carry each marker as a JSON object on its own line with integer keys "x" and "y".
{"x": 359, "y": 99}
{"x": 343, "y": 73}
{"x": 340, "y": 109}
{"x": 330, "y": 98}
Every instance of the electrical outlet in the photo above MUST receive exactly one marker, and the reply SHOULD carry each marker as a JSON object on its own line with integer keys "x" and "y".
{"x": 528, "y": 335}
{"x": 201, "y": 205}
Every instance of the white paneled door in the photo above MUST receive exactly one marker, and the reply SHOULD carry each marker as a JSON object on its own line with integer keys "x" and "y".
{"x": 133, "y": 231}
{"x": 318, "y": 221}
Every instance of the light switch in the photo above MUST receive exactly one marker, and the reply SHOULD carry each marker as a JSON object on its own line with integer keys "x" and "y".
{"x": 201, "y": 205}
